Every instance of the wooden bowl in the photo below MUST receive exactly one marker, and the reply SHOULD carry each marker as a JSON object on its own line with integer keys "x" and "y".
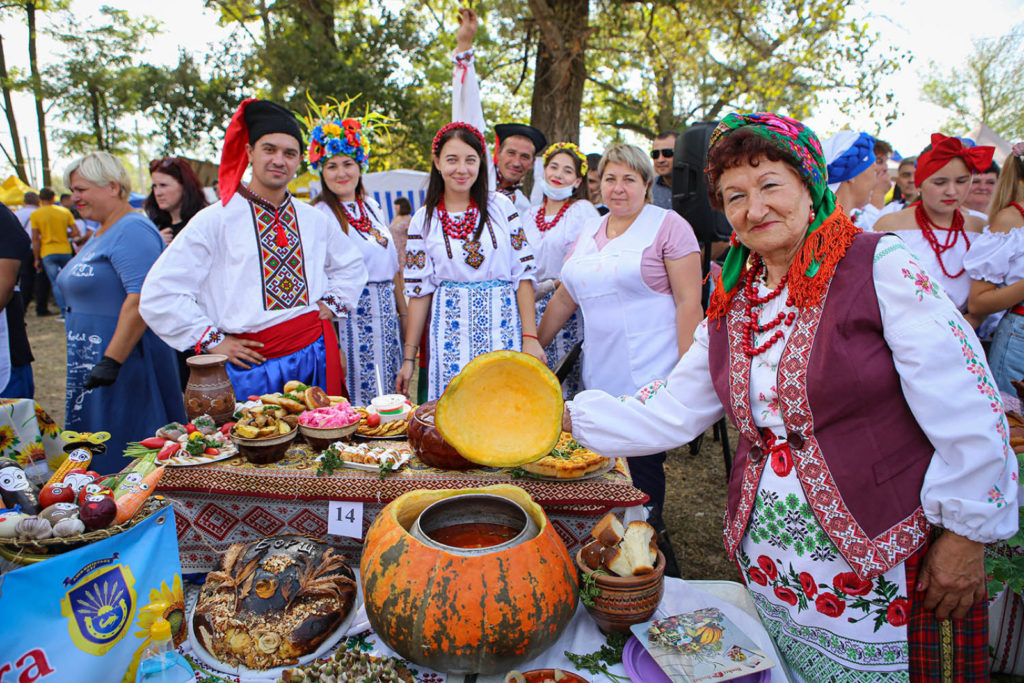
{"x": 624, "y": 600}
{"x": 266, "y": 450}
{"x": 319, "y": 438}
{"x": 428, "y": 444}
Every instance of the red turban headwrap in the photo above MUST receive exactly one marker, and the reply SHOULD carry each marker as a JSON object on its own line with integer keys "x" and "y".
{"x": 944, "y": 149}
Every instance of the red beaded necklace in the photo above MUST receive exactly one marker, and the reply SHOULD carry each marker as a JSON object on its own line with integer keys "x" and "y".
{"x": 752, "y": 327}
{"x": 542, "y": 224}
{"x": 953, "y": 233}
{"x": 463, "y": 228}
{"x": 360, "y": 223}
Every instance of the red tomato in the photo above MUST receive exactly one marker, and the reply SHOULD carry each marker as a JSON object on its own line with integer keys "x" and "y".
{"x": 372, "y": 419}
{"x": 191, "y": 428}
{"x": 56, "y": 493}
{"x": 226, "y": 427}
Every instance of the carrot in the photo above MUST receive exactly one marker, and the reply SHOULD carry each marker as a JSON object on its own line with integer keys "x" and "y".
{"x": 79, "y": 457}
{"x": 129, "y": 503}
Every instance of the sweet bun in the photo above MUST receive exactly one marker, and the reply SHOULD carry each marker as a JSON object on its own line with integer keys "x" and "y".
{"x": 608, "y": 531}
{"x": 316, "y": 398}
{"x": 592, "y": 554}
{"x": 292, "y": 385}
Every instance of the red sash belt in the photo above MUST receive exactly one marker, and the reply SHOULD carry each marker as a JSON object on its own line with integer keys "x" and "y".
{"x": 298, "y": 333}
{"x": 1018, "y": 309}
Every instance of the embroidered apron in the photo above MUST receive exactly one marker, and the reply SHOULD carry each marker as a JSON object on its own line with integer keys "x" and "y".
{"x": 467, "y": 319}
{"x": 370, "y": 339}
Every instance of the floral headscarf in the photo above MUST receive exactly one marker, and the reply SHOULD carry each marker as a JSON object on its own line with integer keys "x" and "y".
{"x": 819, "y": 256}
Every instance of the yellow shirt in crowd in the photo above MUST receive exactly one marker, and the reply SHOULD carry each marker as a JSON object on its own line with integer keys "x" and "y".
{"x": 52, "y": 223}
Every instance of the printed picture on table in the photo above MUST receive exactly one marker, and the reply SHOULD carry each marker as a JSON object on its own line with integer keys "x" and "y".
{"x": 703, "y": 645}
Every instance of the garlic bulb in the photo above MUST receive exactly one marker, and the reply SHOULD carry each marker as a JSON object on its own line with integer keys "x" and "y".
{"x": 34, "y": 528}
{"x": 71, "y": 526}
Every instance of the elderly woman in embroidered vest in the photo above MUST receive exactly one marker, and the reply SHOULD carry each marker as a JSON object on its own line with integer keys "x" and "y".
{"x": 868, "y": 421}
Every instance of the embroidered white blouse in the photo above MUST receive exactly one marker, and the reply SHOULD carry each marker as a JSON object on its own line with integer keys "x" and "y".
{"x": 551, "y": 247}
{"x": 432, "y": 257}
{"x": 381, "y": 260}
{"x": 997, "y": 257}
{"x": 222, "y": 274}
{"x": 956, "y": 288}
{"x": 971, "y": 486}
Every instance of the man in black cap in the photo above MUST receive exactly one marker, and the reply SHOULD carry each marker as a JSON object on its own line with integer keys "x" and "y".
{"x": 518, "y": 144}
{"x": 259, "y": 276}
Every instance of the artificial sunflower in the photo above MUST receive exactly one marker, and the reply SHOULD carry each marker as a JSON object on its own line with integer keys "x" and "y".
{"x": 8, "y": 439}
{"x": 173, "y": 600}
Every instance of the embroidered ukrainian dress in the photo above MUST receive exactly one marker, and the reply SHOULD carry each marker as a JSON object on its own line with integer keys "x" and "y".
{"x": 828, "y": 623}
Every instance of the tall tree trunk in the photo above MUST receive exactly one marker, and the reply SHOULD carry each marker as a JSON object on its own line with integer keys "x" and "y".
{"x": 37, "y": 89}
{"x": 12, "y": 122}
{"x": 97, "y": 126}
{"x": 561, "y": 69}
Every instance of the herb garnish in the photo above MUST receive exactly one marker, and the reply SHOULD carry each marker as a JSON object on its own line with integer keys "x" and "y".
{"x": 598, "y": 662}
{"x": 589, "y": 589}
{"x": 329, "y": 462}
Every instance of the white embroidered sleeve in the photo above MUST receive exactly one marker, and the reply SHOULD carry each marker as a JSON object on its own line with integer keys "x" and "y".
{"x": 168, "y": 300}
{"x": 971, "y": 486}
{"x": 346, "y": 274}
{"x": 418, "y": 269}
{"x": 523, "y": 264}
{"x": 664, "y": 414}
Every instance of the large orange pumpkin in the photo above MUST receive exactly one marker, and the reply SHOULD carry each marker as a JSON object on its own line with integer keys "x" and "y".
{"x": 465, "y": 614}
{"x": 504, "y": 409}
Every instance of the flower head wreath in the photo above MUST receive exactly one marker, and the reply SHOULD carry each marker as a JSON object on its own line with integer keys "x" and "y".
{"x": 557, "y": 147}
{"x": 333, "y": 131}
{"x": 436, "y": 145}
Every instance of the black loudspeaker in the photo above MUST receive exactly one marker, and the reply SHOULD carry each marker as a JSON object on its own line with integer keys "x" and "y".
{"x": 689, "y": 187}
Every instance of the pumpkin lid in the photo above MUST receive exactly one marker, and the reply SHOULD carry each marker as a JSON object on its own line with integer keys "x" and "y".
{"x": 504, "y": 409}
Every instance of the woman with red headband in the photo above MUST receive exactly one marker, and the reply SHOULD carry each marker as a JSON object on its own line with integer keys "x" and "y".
{"x": 552, "y": 228}
{"x": 936, "y": 227}
{"x": 995, "y": 264}
{"x": 468, "y": 263}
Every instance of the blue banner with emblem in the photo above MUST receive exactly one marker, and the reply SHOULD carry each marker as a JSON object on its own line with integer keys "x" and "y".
{"x": 75, "y": 617}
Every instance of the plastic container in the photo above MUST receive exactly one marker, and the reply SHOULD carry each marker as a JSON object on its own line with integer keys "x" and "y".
{"x": 160, "y": 662}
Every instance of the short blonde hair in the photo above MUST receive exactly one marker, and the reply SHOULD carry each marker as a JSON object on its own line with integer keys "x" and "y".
{"x": 633, "y": 157}
{"x": 101, "y": 168}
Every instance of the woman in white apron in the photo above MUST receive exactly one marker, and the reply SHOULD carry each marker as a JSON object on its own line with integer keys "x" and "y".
{"x": 551, "y": 229}
{"x": 635, "y": 274}
{"x": 468, "y": 263}
{"x": 370, "y": 337}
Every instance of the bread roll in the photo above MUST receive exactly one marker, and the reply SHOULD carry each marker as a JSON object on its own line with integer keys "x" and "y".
{"x": 608, "y": 531}
{"x": 639, "y": 545}
{"x": 316, "y": 398}
{"x": 291, "y": 386}
{"x": 592, "y": 554}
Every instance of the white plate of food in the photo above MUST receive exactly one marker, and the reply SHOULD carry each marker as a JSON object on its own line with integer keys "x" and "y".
{"x": 368, "y": 457}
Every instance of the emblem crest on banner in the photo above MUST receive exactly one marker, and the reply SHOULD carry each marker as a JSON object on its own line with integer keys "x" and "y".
{"x": 99, "y": 607}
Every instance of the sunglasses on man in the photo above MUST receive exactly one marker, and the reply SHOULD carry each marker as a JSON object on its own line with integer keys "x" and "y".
{"x": 667, "y": 153}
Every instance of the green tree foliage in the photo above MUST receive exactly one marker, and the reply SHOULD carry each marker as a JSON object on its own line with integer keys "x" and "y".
{"x": 989, "y": 88}
{"x": 92, "y": 86}
{"x": 661, "y": 65}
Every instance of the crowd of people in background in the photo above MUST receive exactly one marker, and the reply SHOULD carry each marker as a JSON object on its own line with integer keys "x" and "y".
{"x": 592, "y": 261}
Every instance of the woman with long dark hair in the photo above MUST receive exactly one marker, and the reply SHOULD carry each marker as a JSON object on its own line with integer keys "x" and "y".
{"x": 176, "y": 196}
{"x": 370, "y": 336}
{"x": 467, "y": 262}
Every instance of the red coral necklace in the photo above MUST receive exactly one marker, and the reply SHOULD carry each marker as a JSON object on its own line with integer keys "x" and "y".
{"x": 752, "y": 327}
{"x": 952, "y": 235}
{"x": 542, "y": 224}
{"x": 462, "y": 229}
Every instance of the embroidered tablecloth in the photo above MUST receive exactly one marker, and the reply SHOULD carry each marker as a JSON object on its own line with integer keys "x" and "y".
{"x": 235, "y": 501}
{"x": 29, "y": 436}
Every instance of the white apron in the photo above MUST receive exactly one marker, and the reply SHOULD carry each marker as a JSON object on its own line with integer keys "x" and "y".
{"x": 370, "y": 339}
{"x": 467, "y": 319}
{"x": 629, "y": 330}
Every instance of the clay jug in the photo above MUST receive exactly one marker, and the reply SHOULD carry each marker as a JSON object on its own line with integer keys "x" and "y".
{"x": 209, "y": 391}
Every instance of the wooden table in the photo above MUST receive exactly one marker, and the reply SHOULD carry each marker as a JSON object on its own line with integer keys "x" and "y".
{"x": 234, "y": 501}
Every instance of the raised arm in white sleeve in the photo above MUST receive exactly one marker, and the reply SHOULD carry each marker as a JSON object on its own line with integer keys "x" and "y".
{"x": 664, "y": 414}
{"x": 466, "y": 104}
{"x": 971, "y": 486}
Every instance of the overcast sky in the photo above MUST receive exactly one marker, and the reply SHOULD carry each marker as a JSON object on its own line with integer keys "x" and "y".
{"x": 932, "y": 30}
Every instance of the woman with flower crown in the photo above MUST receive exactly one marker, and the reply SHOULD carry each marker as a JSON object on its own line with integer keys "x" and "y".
{"x": 551, "y": 229}
{"x": 468, "y": 263}
{"x": 369, "y": 338}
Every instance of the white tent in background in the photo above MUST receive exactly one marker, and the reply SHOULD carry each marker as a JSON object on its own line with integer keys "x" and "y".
{"x": 983, "y": 135}
{"x": 387, "y": 186}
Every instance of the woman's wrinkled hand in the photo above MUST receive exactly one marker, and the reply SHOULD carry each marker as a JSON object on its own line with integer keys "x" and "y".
{"x": 952, "y": 576}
